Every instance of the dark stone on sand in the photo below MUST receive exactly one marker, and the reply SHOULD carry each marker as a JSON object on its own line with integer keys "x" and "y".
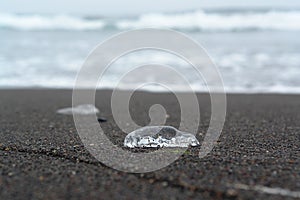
{"x": 102, "y": 119}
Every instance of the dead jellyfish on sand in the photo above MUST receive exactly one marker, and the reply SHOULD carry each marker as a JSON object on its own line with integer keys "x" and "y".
{"x": 84, "y": 109}
{"x": 159, "y": 136}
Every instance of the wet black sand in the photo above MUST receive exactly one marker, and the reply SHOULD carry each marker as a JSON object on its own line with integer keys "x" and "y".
{"x": 43, "y": 158}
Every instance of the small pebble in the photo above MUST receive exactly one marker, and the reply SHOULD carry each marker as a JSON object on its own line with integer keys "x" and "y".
{"x": 41, "y": 178}
{"x": 164, "y": 184}
{"x": 151, "y": 181}
{"x": 232, "y": 192}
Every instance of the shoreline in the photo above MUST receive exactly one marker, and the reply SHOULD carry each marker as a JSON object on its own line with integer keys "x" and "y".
{"x": 145, "y": 91}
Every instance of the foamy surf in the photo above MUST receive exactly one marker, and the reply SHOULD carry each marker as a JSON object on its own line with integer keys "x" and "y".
{"x": 196, "y": 20}
{"x": 272, "y": 20}
{"x": 54, "y": 47}
{"x": 46, "y": 22}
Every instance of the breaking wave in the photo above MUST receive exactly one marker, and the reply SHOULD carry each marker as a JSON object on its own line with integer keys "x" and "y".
{"x": 197, "y": 20}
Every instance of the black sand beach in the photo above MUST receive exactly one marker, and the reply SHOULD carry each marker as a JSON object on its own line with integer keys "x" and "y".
{"x": 42, "y": 156}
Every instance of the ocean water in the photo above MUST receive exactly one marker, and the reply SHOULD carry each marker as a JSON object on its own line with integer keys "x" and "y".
{"x": 255, "y": 50}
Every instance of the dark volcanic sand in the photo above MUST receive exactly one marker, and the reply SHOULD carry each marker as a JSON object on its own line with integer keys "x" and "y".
{"x": 43, "y": 158}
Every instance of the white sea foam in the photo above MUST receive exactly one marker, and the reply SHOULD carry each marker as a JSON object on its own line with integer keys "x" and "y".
{"x": 274, "y": 20}
{"x": 42, "y": 22}
{"x": 196, "y": 20}
{"x": 259, "y": 72}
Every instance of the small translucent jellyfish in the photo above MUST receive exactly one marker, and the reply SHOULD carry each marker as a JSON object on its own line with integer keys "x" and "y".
{"x": 84, "y": 109}
{"x": 159, "y": 136}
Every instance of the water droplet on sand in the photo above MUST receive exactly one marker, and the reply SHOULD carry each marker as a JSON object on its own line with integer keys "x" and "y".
{"x": 159, "y": 136}
{"x": 85, "y": 109}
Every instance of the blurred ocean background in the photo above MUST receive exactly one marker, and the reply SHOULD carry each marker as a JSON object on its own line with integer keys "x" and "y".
{"x": 256, "y": 50}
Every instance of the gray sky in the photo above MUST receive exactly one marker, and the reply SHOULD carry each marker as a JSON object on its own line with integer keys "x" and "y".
{"x": 121, "y": 7}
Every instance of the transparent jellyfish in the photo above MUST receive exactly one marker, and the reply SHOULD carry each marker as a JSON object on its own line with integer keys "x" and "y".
{"x": 159, "y": 136}
{"x": 84, "y": 109}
